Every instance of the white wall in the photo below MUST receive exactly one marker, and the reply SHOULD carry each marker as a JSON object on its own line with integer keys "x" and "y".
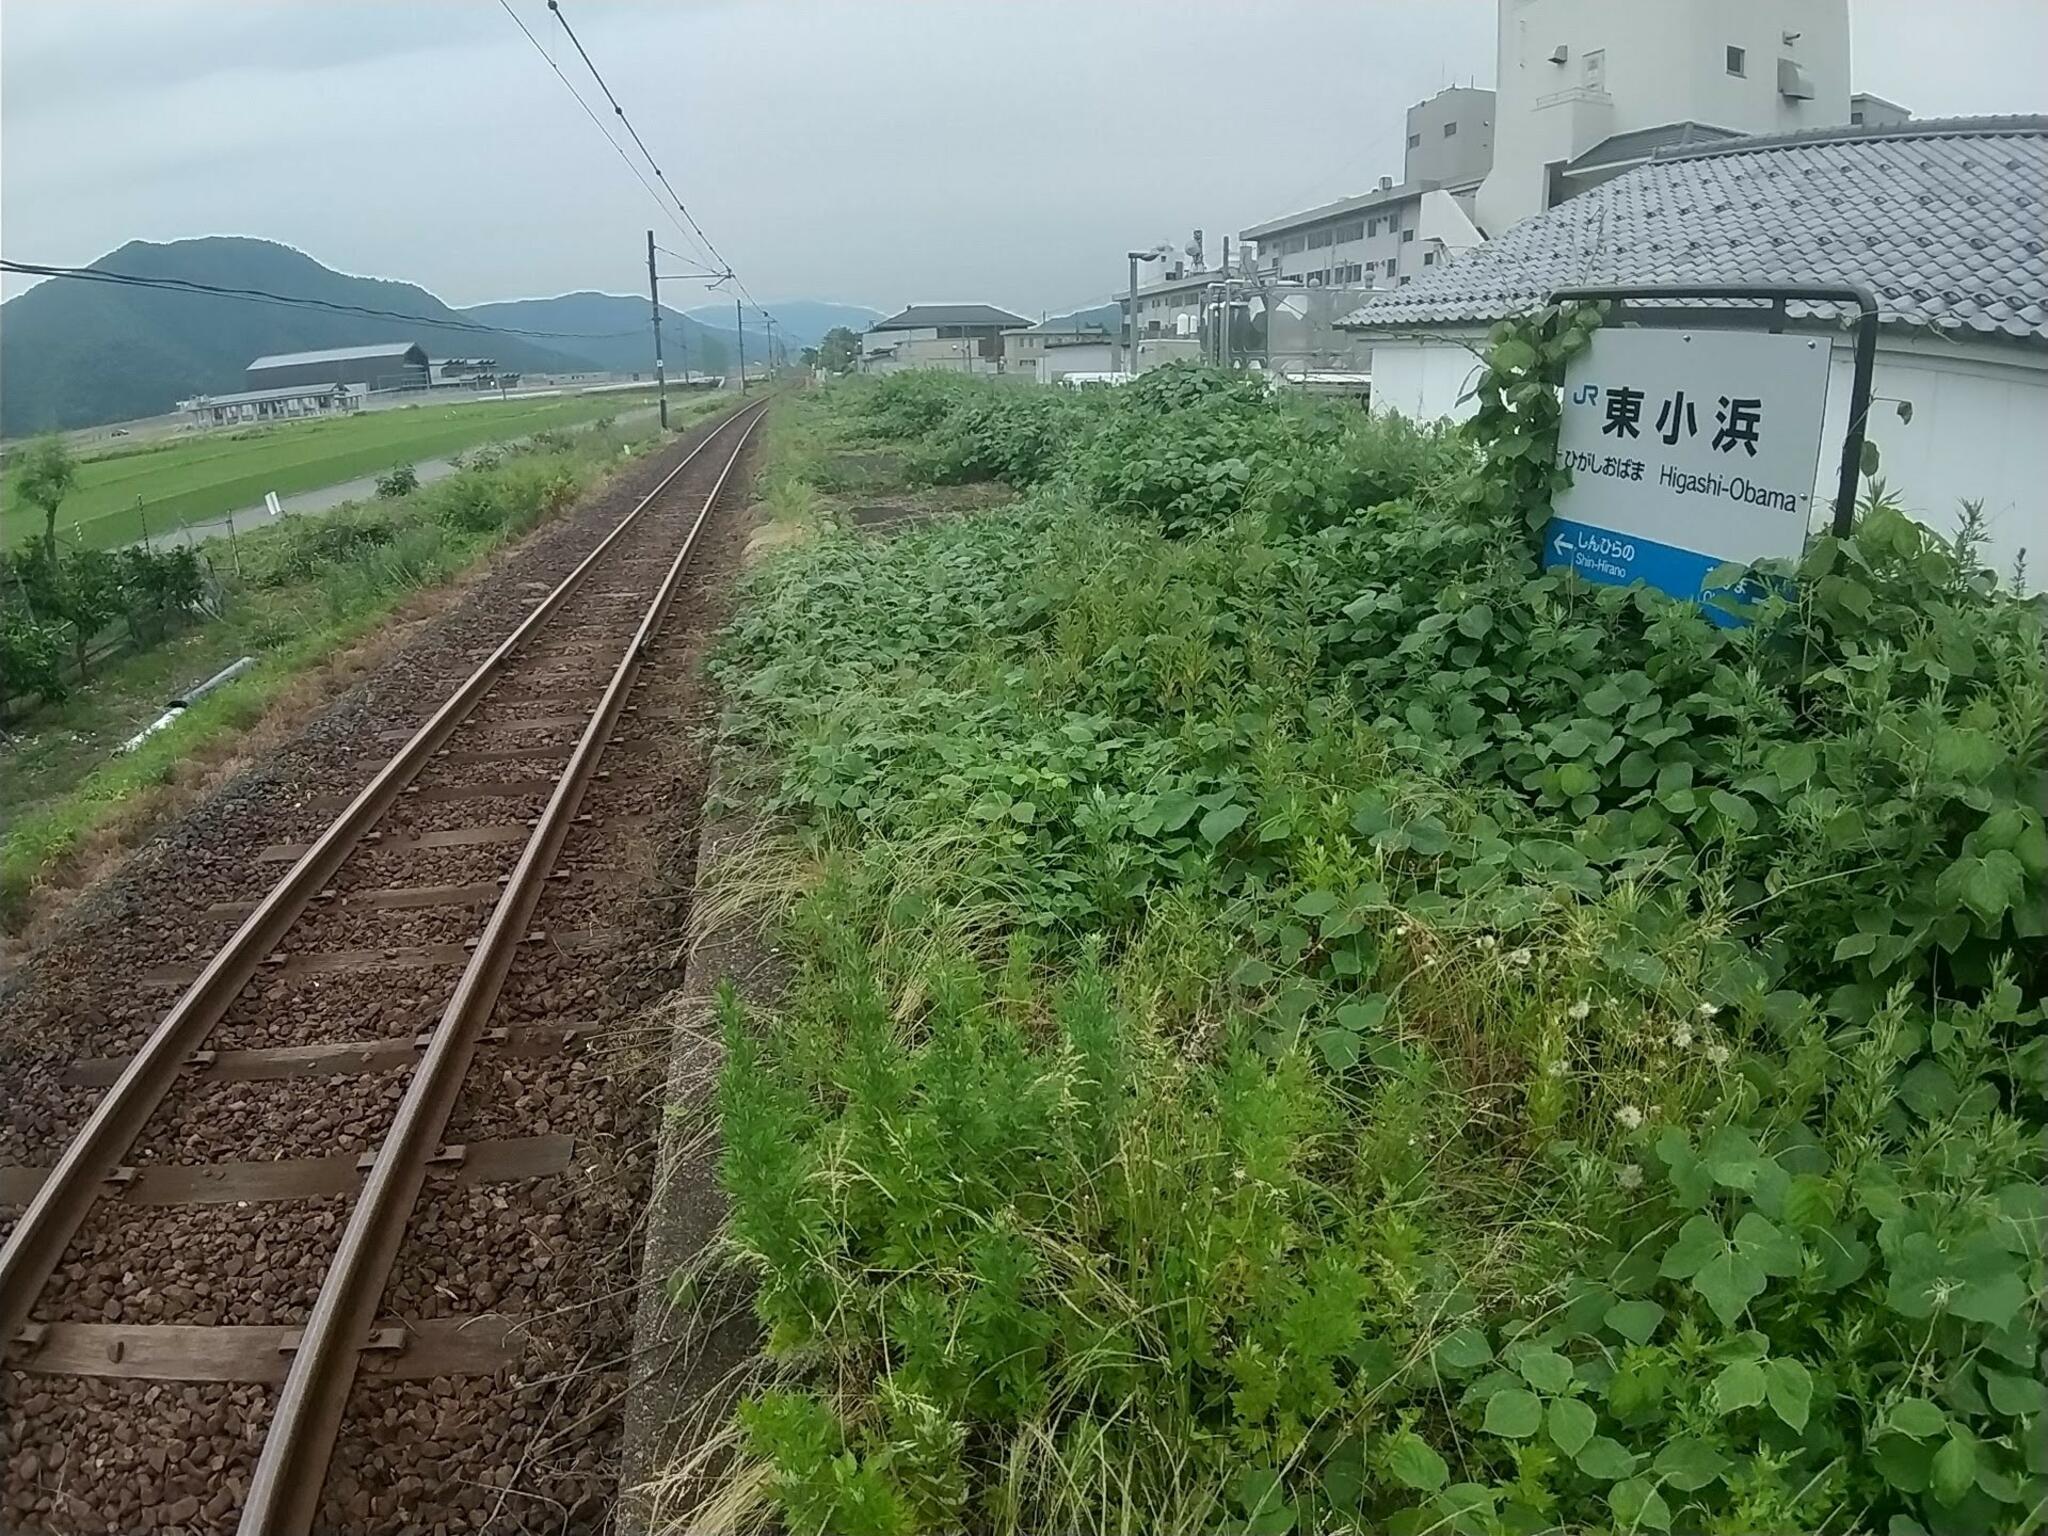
{"x": 1979, "y": 432}
{"x": 1091, "y": 357}
{"x": 1979, "y": 429}
{"x": 1660, "y": 61}
{"x": 1422, "y": 377}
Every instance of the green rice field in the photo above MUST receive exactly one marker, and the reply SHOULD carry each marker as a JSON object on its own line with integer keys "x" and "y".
{"x": 169, "y": 484}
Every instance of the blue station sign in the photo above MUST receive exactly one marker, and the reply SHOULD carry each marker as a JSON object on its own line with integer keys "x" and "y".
{"x": 1688, "y": 450}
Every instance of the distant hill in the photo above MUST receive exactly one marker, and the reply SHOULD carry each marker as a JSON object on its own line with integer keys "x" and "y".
{"x": 801, "y": 322}
{"x": 74, "y": 353}
{"x": 1109, "y": 316}
{"x": 615, "y": 333}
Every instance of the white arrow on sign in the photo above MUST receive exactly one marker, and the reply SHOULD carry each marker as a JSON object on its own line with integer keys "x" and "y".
{"x": 1561, "y": 547}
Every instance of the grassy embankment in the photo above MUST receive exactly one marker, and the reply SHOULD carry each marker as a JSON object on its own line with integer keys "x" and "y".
{"x": 1302, "y": 1021}
{"x": 309, "y": 589}
{"x": 192, "y": 479}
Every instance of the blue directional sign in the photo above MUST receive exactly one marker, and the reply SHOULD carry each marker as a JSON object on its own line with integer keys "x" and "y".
{"x": 1688, "y": 450}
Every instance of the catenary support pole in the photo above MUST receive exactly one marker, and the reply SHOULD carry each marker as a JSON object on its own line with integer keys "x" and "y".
{"x": 654, "y": 298}
{"x": 739, "y": 324}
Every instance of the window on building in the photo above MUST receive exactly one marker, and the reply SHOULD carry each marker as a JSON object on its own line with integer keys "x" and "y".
{"x": 1348, "y": 232}
{"x": 1390, "y": 266}
{"x": 1429, "y": 258}
{"x": 1594, "y": 65}
{"x": 1450, "y": 130}
{"x": 1319, "y": 239}
{"x": 1414, "y": 140}
{"x": 1738, "y": 60}
{"x": 1403, "y": 280}
{"x": 1407, "y": 235}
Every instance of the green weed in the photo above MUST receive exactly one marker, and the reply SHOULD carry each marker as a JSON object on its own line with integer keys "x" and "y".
{"x": 1304, "y": 1022}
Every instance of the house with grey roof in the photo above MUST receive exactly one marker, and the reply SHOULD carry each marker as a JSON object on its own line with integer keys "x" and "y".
{"x": 962, "y": 338}
{"x": 1943, "y": 220}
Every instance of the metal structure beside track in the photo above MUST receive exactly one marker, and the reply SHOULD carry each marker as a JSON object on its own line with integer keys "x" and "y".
{"x": 290, "y": 1471}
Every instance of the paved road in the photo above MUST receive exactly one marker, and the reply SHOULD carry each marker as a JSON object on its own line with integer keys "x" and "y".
{"x": 325, "y": 499}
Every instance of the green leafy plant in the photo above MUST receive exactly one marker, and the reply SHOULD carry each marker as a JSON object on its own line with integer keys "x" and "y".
{"x": 1304, "y": 1021}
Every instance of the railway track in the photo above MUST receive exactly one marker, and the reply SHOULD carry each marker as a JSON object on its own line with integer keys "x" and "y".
{"x": 303, "y": 1139}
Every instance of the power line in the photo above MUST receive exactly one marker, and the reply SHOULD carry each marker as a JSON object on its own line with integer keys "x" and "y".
{"x": 596, "y": 121}
{"x": 704, "y": 239}
{"x": 292, "y": 301}
{"x": 725, "y": 267}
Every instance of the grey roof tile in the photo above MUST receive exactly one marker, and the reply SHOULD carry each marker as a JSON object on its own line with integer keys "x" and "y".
{"x": 1943, "y": 220}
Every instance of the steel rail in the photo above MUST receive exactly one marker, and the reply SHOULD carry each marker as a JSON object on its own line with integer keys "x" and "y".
{"x": 52, "y": 1218}
{"x": 284, "y": 1492}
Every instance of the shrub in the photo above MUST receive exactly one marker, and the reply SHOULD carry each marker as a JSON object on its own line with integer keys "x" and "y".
{"x": 31, "y": 657}
{"x": 394, "y": 483}
{"x": 302, "y": 547}
{"x": 1308, "y": 1022}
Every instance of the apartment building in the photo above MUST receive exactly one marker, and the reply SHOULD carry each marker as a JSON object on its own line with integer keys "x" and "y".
{"x": 1396, "y": 231}
{"x": 1588, "y": 89}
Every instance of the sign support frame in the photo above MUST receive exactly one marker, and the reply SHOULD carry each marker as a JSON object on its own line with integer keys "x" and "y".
{"x": 1777, "y": 295}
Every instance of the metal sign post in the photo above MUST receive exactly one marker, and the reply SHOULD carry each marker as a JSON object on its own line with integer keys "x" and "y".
{"x": 1695, "y": 442}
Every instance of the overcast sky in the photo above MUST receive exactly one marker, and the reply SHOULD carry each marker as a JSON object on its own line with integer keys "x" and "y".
{"x": 872, "y": 151}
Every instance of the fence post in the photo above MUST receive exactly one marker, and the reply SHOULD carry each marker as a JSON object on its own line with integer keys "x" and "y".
{"x": 142, "y": 517}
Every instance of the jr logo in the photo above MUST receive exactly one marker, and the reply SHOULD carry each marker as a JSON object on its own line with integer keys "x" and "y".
{"x": 1586, "y": 394}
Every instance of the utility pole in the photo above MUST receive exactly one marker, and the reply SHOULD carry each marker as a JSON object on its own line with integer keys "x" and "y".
{"x": 739, "y": 323}
{"x": 1223, "y": 320}
{"x": 654, "y": 297}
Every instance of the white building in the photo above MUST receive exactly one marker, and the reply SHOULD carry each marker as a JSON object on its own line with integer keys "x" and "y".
{"x": 1396, "y": 231}
{"x": 1573, "y": 75}
{"x": 287, "y": 403}
{"x": 1055, "y": 349}
{"x": 1943, "y": 220}
{"x": 960, "y": 338}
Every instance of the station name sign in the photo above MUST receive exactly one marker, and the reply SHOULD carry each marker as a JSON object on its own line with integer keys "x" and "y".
{"x": 1688, "y": 450}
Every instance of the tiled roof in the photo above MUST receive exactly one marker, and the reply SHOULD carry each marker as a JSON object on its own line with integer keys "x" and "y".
{"x": 918, "y": 316}
{"x": 1942, "y": 220}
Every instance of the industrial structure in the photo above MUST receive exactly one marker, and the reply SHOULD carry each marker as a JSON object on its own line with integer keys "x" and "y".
{"x": 389, "y": 365}
{"x": 1586, "y": 91}
{"x": 961, "y": 338}
{"x": 1584, "y": 87}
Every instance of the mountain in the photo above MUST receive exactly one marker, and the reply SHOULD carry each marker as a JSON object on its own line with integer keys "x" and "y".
{"x": 799, "y": 322}
{"x": 77, "y": 352}
{"x": 1110, "y": 317}
{"x": 614, "y": 332}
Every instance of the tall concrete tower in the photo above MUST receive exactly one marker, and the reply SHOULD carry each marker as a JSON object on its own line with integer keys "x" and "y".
{"x": 1587, "y": 88}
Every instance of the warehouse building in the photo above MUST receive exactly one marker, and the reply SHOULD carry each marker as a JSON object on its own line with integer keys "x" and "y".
{"x": 391, "y": 365}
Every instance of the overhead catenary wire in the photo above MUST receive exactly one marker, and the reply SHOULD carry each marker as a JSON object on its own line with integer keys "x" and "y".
{"x": 292, "y": 301}
{"x": 724, "y": 268}
{"x": 596, "y": 121}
